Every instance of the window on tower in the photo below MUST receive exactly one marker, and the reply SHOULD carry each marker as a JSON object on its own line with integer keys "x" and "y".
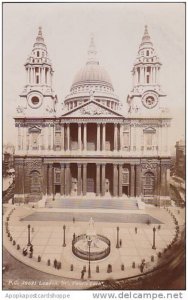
{"x": 147, "y": 53}
{"x": 35, "y": 100}
{"x": 38, "y": 53}
{"x": 147, "y": 78}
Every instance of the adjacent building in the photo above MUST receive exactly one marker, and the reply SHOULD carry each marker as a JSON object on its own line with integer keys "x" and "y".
{"x": 92, "y": 148}
{"x": 180, "y": 159}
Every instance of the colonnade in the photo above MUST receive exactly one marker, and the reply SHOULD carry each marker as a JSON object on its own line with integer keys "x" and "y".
{"x": 116, "y": 182}
{"x": 101, "y": 136}
{"x": 140, "y": 75}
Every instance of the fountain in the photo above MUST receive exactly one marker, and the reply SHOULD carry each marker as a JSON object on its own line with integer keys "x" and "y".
{"x": 99, "y": 245}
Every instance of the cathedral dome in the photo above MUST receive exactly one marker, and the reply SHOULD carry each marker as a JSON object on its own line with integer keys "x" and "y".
{"x": 92, "y": 74}
{"x": 92, "y": 79}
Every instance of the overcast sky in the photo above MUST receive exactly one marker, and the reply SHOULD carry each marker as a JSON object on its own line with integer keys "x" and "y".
{"x": 118, "y": 29}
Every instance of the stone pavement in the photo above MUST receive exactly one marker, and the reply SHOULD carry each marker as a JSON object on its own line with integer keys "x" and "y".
{"x": 47, "y": 240}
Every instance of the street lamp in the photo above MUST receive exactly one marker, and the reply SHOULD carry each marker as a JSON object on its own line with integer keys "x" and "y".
{"x": 117, "y": 245}
{"x": 154, "y": 230}
{"x": 29, "y": 241}
{"x": 89, "y": 245}
{"x": 64, "y": 244}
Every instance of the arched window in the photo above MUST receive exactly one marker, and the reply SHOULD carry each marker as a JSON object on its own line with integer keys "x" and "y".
{"x": 35, "y": 184}
{"x": 147, "y": 53}
{"x": 149, "y": 183}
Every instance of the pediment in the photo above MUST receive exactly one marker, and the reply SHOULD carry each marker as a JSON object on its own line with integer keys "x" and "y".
{"x": 92, "y": 109}
{"x": 149, "y": 130}
{"x": 34, "y": 129}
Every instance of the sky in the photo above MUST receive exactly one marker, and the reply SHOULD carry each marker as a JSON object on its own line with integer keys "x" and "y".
{"x": 118, "y": 29}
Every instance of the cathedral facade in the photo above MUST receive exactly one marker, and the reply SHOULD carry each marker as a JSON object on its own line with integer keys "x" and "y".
{"x": 92, "y": 148}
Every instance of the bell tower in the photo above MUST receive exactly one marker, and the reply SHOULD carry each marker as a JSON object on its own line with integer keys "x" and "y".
{"x": 146, "y": 92}
{"x": 38, "y": 96}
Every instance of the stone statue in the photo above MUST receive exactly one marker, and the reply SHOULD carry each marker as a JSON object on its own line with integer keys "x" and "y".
{"x": 91, "y": 230}
{"x": 91, "y": 92}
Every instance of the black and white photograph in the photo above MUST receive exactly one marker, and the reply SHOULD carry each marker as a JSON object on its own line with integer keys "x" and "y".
{"x": 93, "y": 147}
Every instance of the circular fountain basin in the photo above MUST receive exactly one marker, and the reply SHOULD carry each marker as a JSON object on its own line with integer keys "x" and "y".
{"x": 99, "y": 249}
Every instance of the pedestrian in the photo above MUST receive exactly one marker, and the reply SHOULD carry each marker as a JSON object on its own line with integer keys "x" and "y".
{"x": 73, "y": 220}
{"x": 135, "y": 230}
{"x": 55, "y": 263}
{"x": 141, "y": 268}
{"x": 82, "y": 274}
{"x": 31, "y": 249}
{"x": 24, "y": 251}
{"x": 120, "y": 243}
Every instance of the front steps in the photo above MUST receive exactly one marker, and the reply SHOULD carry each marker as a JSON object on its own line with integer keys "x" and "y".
{"x": 94, "y": 203}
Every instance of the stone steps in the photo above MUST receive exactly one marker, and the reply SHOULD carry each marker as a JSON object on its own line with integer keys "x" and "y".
{"x": 98, "y": 203}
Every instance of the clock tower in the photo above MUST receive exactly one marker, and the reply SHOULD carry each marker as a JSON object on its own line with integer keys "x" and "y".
{"x": 146, "y": 96}
{"x": 38, "y": 98}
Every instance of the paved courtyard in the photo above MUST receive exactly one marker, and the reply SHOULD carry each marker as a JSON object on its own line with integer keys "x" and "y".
{"x": 47, "y": 238}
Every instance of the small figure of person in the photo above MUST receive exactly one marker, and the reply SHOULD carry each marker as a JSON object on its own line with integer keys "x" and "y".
{"x": 136, "y": 230}
{"x": 73, "y": 220}
{"x": 82, "y": 274}
{"x": 31, "y": 249}
{"x": 55, "y": 263}
{"x": 141, "y": 268}
{"x": 74, "y": 236}
{"x": 120, "y": 242}
{"x": 24, "y": 251}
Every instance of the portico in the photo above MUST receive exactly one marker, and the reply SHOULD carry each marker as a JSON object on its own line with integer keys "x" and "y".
{"x": 86, "y": 178}
{"x": 99, "y": 135}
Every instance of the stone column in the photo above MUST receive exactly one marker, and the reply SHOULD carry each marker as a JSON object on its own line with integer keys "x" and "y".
{"x": 163, "y": 184}
{"x": 103, "y": 179}
{"x": 68, "y": 137}
{"x": 63, "y": 137}
{"x": 52, "y": 137}
{"x": 85, "y": 136}
{"x": 44, "y": 178}
{"x": 98, "y": 179}
{"x": 103, "y": 137}
{"x": 50, "y": 179}
{"x": 120, "y": 180}
{"x": 115, "y": 180}
{"x": 115, "y": 137}
{"x": 138, "y": 180}
{"x": 49, "y": 138}
{"x": 98, "y": 137}
{"x": 120, "y": 137}
{"x": 67, "y": 179}
{"x": 79, "y": 179}
{"x": 62, "y": 179}
{"x": 132, "y": 180}
{"x": 79, "y": 137}
{"x": 84, "y": 179}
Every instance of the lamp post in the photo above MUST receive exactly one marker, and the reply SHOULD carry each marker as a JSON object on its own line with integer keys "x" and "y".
{"x": 118, "y": 245}
{"x": 89, "y": 245}
{"x": 154, "y": 230}
{"x": 64, "y": 228}
{"x": 29, "y": 241}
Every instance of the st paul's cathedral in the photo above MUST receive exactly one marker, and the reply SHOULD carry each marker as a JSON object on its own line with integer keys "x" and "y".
{"x": 92, "y": 148}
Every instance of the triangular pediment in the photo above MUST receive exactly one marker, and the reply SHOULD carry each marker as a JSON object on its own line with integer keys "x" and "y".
{"x": 92, "y": 109}
{"x": 34, "y": 129}
{"x": 149, "y": 130}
